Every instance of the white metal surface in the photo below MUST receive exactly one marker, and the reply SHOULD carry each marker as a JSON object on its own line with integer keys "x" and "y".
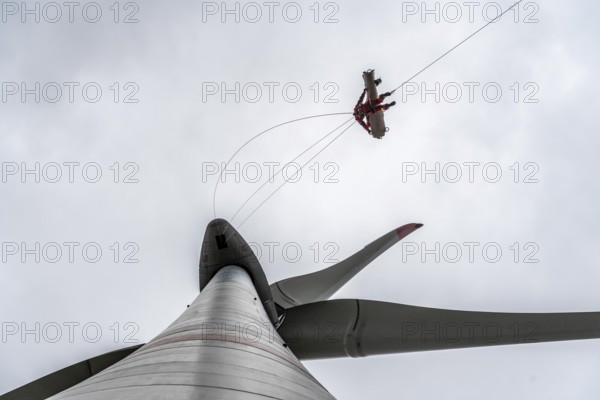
{"x": 222, "y": 347}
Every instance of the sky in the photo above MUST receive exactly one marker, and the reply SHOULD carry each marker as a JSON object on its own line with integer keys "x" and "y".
{"x": 116, "y": 119}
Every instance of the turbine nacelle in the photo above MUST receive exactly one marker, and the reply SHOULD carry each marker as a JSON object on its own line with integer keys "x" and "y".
{"x": 222, "y": 246}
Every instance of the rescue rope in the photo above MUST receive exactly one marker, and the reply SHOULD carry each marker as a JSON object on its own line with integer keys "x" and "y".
{"x": 256, "y": 136}
{"x": 448, "y": 52}
{"x": 282, "y": 168}
{"x": 301, "y": 168}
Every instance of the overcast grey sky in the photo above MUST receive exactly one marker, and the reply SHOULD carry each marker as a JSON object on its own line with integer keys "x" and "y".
{"x": 167, "y": 97}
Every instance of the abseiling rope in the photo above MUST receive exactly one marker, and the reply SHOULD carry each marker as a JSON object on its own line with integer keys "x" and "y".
{"x": 464, "y": 40}
{"x": 258, "y": 135}
{"x": 282, "y": 168}
{"x": 301, "y": 168}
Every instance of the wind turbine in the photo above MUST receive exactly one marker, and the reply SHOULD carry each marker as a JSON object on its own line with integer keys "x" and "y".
{"x": 242, "y": 338}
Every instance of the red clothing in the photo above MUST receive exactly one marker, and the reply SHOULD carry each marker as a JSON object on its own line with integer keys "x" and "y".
{"x": 359, "y": 114}
{"x": 358, "y": 106}
{"x": 361, "y": 110}
{"x": 360, "y": 120}
{"x": 372, "y": 106}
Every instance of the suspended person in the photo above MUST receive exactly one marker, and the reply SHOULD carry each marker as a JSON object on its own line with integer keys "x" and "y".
{"x": 363, "y": 110}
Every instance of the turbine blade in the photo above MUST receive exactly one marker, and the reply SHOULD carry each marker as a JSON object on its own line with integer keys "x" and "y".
{"x": 321, "y": 285}
{"x": 359, "y": 328}
{"x": 65, "y": 378}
